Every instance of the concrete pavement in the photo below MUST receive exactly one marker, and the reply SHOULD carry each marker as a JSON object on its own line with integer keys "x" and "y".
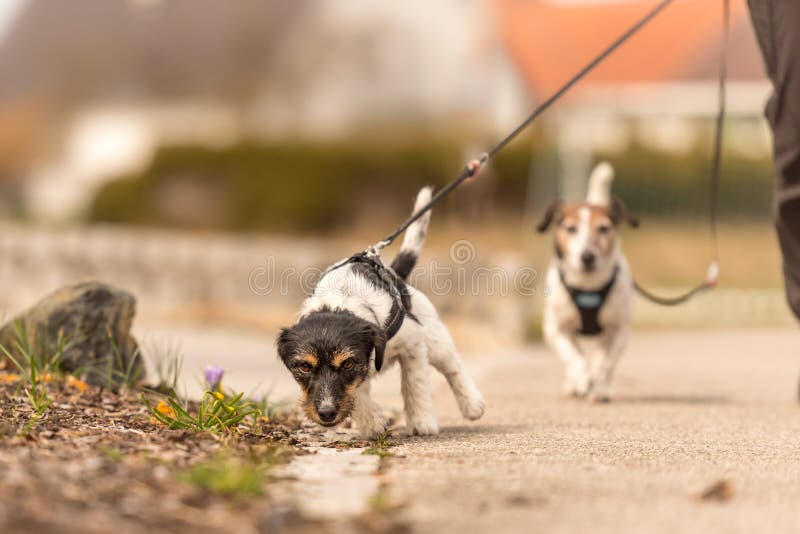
{"x": 691, "y": 409}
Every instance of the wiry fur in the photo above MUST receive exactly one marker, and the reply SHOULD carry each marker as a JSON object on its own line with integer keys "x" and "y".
{"x": 346, "y": 313}
{"x": 586, "y": 232}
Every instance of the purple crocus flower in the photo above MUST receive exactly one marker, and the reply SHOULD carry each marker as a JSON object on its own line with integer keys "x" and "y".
{"x": 213, "y": 375}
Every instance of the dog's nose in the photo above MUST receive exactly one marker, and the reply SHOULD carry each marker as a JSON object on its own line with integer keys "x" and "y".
{"x": 588, "y": 259}
{"x": 327, "y": 414}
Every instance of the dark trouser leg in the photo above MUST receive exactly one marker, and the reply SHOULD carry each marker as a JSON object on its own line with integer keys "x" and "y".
{"x": 776, "y": 24}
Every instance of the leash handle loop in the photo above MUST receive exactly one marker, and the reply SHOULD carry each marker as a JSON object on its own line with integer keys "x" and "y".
{"x": 712, "y": 275}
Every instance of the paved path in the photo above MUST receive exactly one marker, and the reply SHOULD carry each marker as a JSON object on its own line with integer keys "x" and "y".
{"x": 692, "y": 408}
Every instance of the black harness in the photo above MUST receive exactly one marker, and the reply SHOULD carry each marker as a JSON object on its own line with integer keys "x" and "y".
{"x": 372, "y": 268}
{"x": 589, "y": 303}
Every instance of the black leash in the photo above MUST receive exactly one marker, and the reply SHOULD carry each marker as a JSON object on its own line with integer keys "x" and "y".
{"x": 472, "y": 168}
{"x": 712, "y": 276}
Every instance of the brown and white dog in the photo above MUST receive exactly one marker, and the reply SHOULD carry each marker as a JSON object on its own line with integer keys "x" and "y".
{"x": 587, "y": 313}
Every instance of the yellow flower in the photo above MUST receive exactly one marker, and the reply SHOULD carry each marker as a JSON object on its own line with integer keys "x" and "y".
{"x": 76, "y": 383}
{"x": 217, "y": 395}
{"x": 9, "y": 378}
{"x": 165, "y": 409}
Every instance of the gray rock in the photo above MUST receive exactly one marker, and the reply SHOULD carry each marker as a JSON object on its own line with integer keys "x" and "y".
{"x": 92, "y": 322}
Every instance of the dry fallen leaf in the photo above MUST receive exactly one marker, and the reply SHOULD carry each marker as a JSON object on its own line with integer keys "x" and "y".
{"x": 720, "y": 491}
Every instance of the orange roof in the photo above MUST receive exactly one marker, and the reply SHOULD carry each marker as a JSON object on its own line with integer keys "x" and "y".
{"x": 549, "y": 42}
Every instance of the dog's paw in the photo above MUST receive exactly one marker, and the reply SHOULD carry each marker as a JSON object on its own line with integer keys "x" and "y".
{"x": 599, "y": 399}
{"x": 577, "y": 383}
{"x": 375, "y": 428}
{"x": 568, "y": 388}
{"x": 472, "y": 408}
{"x": 423, "y": 426}
{"x": 600, "y": 393}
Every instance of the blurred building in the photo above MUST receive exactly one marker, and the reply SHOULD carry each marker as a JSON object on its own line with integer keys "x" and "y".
{"x": 352, "y": 64}
{"x": 660, "y": 89}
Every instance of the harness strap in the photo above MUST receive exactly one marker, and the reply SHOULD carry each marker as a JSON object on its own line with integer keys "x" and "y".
{"x": 393, "y": 284}
{"x": 589, "y": 303}
{"x": 394, "y": 322}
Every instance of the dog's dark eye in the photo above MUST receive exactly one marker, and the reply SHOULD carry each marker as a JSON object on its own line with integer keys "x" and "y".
{"x": 347, "y": 365}
{"x": 305, "y": 367}
{"x": 603, "y": 229}
{"x": 572, "y": 229}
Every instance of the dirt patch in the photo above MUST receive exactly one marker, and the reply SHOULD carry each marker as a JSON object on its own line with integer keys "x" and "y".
{"x": 98, "y": 462}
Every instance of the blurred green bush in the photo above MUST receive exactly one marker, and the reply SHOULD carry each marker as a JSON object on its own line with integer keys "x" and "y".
{"x": 316, "y": 188}
{"x": 293, "y": 187}
{"x": 667, "y": 185}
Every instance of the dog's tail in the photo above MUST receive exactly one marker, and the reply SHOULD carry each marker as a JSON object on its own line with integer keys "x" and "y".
{"x": 406, "y": 260}
{"x": 599, "y": 192}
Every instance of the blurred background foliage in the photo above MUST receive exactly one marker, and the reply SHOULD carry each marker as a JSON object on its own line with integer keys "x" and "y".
{"x": 319, "y": 188}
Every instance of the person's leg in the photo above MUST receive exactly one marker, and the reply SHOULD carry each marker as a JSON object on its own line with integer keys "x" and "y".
{"x": 776, "y": 25}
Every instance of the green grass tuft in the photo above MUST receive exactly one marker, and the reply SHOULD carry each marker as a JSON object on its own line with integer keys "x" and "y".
{"x": 216, "y": 412}
{"x": 36, "y": 369}
{"x": 113, "y": 453}
{"x": 381, "y": 447}
{"x": 232, "y": 476}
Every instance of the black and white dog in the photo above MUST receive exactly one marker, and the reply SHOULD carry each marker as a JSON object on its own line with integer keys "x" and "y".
{"x": 361, "y": 318}
{"x": 587, "y": 314}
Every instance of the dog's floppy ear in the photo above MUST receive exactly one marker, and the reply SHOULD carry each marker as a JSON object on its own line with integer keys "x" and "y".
{"x": 287, "y": 343}
{"x": 619, "y": 213}
{"x": 377, "y": 338}
{"x": 549, "y": 216}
